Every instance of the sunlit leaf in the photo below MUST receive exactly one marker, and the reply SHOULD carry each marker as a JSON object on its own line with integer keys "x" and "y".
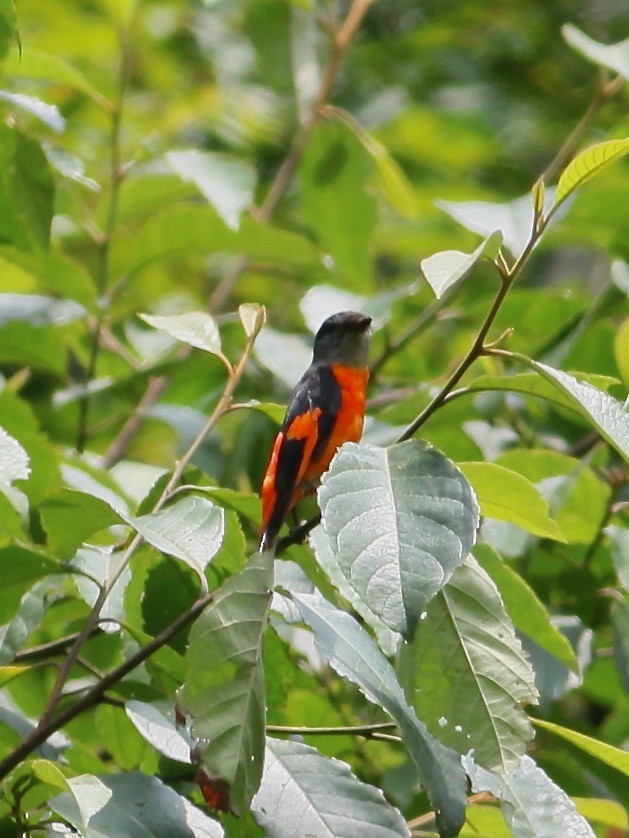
{"x": 621, "y": 350}
{"x": 587, "y": 164}
{"x": 196, "y": 328}
{"x": 14, "y": 465}
{"x": 227, "y": 183}
{"x": 399, "y": 520}
{"x": 354, "y": 655}
{"x": 321, "y": 301}
{"x": 466, "y": 673}
{"x": 223, "y": 689}
{"x": 608, "y": 812}
{"x": 48, "y": 114}
{"x": 533, "y": 806}
{"x": 319, "y": 797}
{"x": 507, "y": 496}
{"x": 253, "y": 317}
{"x": 514, "y": 220}
{"x": 443, "y": 270}
{"x": 615, "y": 757}
{"x": 157, "y": 725}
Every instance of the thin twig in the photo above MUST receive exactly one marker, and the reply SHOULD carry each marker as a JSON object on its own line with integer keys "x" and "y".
{"x": 95, "y": 693}
{"x": 331, "y": 731}
{"x": 429, "y": 817}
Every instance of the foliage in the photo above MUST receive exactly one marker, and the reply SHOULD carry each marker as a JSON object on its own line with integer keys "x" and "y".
{"x": 175, "y": 174}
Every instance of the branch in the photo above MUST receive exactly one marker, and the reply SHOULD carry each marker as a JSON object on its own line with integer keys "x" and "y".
{"x": 94, "y": 695}
{"x": 222, "y": 407}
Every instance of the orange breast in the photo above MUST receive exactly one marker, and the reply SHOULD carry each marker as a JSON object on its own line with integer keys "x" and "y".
{"x": 349, "y": 423}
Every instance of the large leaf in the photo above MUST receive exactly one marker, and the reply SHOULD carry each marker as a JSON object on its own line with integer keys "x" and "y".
{"x": 354, "y": 655}
{"x": 227, "y": 183}
{"x": 138, "y": 807}
{"x": 320, "y": 301}
{"x": 399, "y": 521}
{"x": 615, "y": 757}
{"x": 304, "y": 793}
{"x": 19, "y": 568}
{"x": 533, "y": 806}
{"x": 466, "y": 673}
{"x": 48, "y": 114}
{"x": 607, "y": 415}
{"x": 224, "y": 686}
{"x": 35, "y": 64}
{"x": 14, "y": 465}
{"x": 587, "y": 164}
{"x": 333, "y": 176}
{"x": 442, "y": 270}
{"x": 70, "y": 517}
{"x": 508, "y": 496}
{"x": 526, "y": 610}
{"x": 191, "y": 529}
{"x": 29, "y": 615}
{"x": 514, "y": 220}
{"x": 614, "y": 56}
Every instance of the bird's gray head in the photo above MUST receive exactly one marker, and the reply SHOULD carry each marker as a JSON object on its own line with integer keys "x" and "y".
{"x": 343, "y": 339}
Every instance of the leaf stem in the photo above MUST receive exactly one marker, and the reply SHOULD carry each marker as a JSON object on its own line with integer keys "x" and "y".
{"x": 331, "y": 731}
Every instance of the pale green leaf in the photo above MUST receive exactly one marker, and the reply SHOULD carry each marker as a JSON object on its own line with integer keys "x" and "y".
{"x": 609, "y": 754}
{"x": 587, "y": 164}
{"x": 442, "y": 270}
{"x": 514, "y": 219}
{"x": 196, "y": 328}
{"x": 223, "y": 690}
{"x": 225, "y": 182}
{"x": 48, "y": 114}
{"x": 253, "y": 317}
{"x": 14, "y": 465}
{"x": 508, "y": 496}
{"x": 319, "y": 797}
{"x": 321, "y": 301}
{"x": 348, "y": 648}
{"x": 608, "y": 812}
{"x": 139, "y": 806}
{"x": 399, "y": 520}
{"x": 466, "y": 673}
{"x": 613, "y": 56}
{"x": 531, "y": 384}
{"x": 533, "y": 806}
{"x": 191, "y": 530}
{"x": 156, "y": 724}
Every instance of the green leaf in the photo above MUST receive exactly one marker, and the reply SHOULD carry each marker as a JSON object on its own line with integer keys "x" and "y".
{"x": 319, "y": 796}
{"x": 287, "y": 356}
{"x": 613, "y": 56}
{"x": 531, "y": 384}
{"x": 353, "y": 654}
{"x": 225, "y": 182}
{"x": 70, "y": 517}
{"x": 399, "y": 521}
{"x": 609, "y": 754}
{"x": 619, "y": 538}
{"x": 13, "y": 635}
{"x": 30, "y": 190}
{"x": 51, "y": 270}
{"x": 607, "y": 812}
{"x": 606, "y": 414}
{"x": 333, "y": 176}
{"x": 320, "y": 301}
{"x": 35, "y": 64}
{"x": 138, "y": 807}
{"x": 191, "y": 530}
{"x": 621, "y": 350}
{"x": 40, "y": 347}
{"x": 19, "y": 568}
{"x": 507, "y": 496}
{"x": 102, "y": 563}
{"x": 7, "y": 25}
{"x": 533, "y": 806}
{"x": 466, "y": 673}
{"x": 442, "y": 270}
{"x": 525, "y": 609}
{"x": 224, "y": 686}
{"x": 587, "y": 164}
{"x": 156, "y": 724}
{"x": 196, "y": 328}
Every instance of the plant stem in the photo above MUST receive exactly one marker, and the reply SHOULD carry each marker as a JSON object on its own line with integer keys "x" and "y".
{"x": 95, "y": 693}
{"x": 104, "y": 245}
{"x": 331, "y": 731}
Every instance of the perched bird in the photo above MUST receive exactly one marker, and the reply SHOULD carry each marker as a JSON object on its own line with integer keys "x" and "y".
{"x": 326, "y": 409}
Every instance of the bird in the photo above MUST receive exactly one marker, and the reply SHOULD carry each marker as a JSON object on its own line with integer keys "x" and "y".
{"x": 325, "y": 409}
